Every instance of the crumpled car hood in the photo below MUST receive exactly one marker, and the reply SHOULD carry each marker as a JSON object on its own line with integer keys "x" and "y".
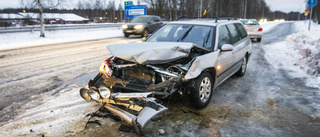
{"x": 150, "y": 52}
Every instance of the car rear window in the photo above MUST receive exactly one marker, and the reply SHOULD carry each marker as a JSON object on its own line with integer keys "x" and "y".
{"x": 249, "y": 22}
{"x": 140, "y": 20}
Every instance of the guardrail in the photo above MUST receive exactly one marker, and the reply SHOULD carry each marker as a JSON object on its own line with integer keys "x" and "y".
{"x": 54, "y": 27}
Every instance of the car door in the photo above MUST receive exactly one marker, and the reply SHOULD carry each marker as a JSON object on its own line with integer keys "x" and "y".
{"x": 225, "y": 58}
{"x": 238, "y": 46}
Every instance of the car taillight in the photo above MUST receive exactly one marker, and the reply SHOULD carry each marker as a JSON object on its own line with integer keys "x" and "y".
{"x": 260, "y": 29}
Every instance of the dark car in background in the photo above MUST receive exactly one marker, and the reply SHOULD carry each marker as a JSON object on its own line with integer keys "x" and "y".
{"x": 142, "y": 25}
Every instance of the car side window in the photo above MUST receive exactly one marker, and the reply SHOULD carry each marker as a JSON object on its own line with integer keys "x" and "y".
{"x": 235, "y": 36}
{"x": 242, "y": 30}
{"x": 224, "y": 37}
{"x": 156, "y": 19}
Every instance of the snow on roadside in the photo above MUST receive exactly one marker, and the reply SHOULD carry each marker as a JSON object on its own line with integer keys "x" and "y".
{"x": 29, "y": 39}
{"x": 268, "y": 26}
{"x": 299, "y": 54}
{"x": 60, "y": 115}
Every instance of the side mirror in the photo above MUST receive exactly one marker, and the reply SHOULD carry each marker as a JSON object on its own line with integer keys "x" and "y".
{"x": 227, "y": 47}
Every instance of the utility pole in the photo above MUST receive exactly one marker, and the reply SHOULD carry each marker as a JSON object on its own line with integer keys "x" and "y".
{"x": 120, "y": 11}
{"x": 200, "y": 8}
{"x": 262, "y": 12}
{"x": 245, "y": 9}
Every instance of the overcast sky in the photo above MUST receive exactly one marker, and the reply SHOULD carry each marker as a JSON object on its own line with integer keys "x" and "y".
{"x": 282, "y": 5}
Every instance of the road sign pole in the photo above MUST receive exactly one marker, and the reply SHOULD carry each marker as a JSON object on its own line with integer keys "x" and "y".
{"x": 311, "y": 3}
{"x": 310, "y": 19}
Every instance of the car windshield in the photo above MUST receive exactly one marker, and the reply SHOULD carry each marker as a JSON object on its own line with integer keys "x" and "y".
{"x": 140, "y": 20}
{"x": 199, "y": 35}
{"x": 249, "y": 22}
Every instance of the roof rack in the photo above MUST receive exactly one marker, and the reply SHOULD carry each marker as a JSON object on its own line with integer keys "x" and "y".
{"x": 216, "y": 18}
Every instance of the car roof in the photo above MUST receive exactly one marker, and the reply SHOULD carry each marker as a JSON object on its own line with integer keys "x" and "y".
{"x": 207, "y": 22}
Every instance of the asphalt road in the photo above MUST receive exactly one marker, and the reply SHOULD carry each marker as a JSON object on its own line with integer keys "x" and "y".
{"x": 39, "y": 88}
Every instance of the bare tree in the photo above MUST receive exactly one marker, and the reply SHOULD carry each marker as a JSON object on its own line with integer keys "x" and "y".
{"x": 42, "y": 5}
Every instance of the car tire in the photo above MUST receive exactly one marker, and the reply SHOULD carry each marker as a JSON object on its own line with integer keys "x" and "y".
{"x": 243, "y": 68}
{"x": 200, "y": 92}
{"x": 259, "y": 39}
{"x": 145, "y": 33}
{"x": 126, "y": 35}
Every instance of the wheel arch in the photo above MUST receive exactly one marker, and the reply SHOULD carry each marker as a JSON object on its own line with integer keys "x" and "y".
{"x": 213, "y": 73}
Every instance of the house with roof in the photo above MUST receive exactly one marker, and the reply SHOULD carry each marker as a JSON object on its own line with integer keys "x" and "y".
{"x": 9, "y": 19}
{"x": 57, "y": 18}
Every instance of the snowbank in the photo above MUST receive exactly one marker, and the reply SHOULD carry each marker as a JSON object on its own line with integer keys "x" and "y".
{"x": 300, "y": 53}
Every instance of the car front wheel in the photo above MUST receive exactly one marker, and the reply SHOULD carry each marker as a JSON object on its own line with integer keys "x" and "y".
{"x": 126, "y": 35}
{"x": 200, "y": 94}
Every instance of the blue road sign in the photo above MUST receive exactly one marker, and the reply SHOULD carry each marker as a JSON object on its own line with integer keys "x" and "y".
{"x": 135, "y": 10}
{"x": 312, "y": 3}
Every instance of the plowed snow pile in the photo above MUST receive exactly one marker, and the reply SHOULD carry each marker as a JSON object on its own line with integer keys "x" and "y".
{"x": 300, "y": 53}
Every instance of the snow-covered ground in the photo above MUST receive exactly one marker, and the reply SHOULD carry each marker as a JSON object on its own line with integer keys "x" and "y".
{"x": 299, "y": 53}
{"x": 268, "y": 26}
{"x": 28, "y": 39}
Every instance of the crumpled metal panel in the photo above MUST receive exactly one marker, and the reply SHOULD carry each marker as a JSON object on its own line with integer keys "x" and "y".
{"x": 151, "y": 52}
{"x": 201, "y": 63}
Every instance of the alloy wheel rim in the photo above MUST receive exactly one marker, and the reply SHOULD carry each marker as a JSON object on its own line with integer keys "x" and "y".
{"x": 205, "y": 89}
{"x": 244, "y": 65}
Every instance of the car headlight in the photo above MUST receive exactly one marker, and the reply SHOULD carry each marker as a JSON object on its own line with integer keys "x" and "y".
{"x": 124, "y": 26}
{"x": 104, "y": 92}
{"x": 94, "y": 95}
{"x": 138, "y": 26}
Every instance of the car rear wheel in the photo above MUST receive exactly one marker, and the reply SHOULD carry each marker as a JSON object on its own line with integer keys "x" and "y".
{"x": 259, "y": 39}
{"x": 243, "y": 68}
{"x": 200, "y": 94}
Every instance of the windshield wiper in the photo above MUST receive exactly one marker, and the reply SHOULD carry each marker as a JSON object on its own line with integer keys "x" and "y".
{"x": 206, "y": 38}
{"x": 185, "y": 34}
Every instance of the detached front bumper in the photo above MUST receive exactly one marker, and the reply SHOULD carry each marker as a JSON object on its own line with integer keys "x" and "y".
{"x": 142, "y": 107}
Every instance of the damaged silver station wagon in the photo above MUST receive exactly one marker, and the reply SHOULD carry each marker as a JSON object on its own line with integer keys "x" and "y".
{"x": 191, "y": 57}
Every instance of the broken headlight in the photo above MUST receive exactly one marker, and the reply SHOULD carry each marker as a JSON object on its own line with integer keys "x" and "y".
{"x": 104, "y": 92}
{"x": 94, "y": 95}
